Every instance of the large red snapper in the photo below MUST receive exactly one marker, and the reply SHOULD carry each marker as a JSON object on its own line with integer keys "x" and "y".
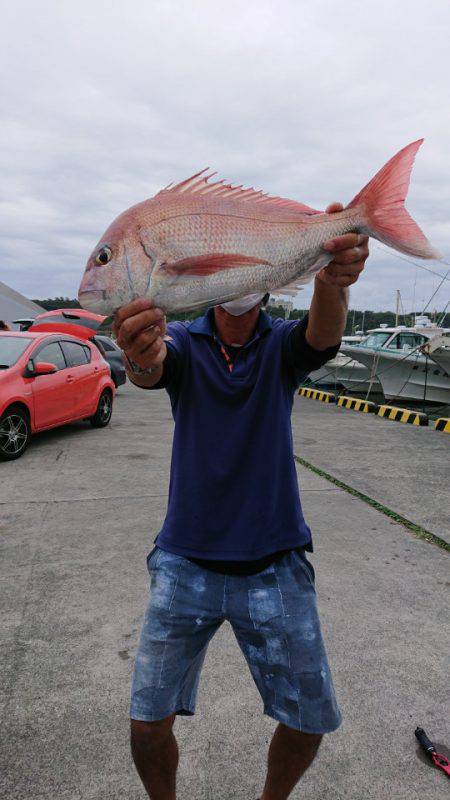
{"x": 200, "y": 243}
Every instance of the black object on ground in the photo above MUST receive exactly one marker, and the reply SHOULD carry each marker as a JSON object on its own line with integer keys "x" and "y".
{"x": 440, "y": 761}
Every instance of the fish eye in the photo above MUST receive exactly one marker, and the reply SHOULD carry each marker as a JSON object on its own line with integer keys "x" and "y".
{"x": 103, "y": 256}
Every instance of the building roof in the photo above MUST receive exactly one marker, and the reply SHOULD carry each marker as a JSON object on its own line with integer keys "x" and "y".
{"x": 14, "y": 305}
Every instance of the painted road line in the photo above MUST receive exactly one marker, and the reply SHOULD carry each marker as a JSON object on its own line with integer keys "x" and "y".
{"x": 315, "y": 394}
{"x": 403, "y": 415}
{"x": 357, "y": 404}
{"x": 442, "y": 424}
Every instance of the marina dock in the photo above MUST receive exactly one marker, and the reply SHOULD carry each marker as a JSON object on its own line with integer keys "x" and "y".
{"x": 79, "y": 513}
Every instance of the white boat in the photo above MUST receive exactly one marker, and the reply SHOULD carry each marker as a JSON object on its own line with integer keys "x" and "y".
{"x": 343, "y": 370}
{"x": 438, "y": 349}
{"x": 395, "y": 356}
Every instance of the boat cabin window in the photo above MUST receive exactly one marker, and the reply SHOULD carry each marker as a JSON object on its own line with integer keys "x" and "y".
{"x": 377, "y": 339}
{"x": 406, "y": 341}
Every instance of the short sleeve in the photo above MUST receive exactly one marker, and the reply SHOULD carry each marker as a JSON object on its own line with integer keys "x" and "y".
{"x": 299, "y": 358}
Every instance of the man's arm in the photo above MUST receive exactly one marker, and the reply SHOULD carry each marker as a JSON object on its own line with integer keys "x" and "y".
{"x": 327, "y": 315}
{"x": 139, "y": 329}
{"x": 329, "y": 305}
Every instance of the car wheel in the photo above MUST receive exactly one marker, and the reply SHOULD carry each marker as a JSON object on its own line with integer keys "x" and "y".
{"x": 102, "y": 416}
{"x": 15, "y": 433}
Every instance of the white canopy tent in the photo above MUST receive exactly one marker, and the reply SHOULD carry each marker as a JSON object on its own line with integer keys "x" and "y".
{"x": 14, "y": 305}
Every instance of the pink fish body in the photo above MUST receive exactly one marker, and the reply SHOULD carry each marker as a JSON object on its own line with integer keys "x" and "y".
{"x": 200, "y": 243}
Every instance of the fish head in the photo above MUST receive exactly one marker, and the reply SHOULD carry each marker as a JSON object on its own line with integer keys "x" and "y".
{"x": 119, "y": 268}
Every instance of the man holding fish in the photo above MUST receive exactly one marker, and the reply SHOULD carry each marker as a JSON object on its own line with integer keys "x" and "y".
{"x": 192, "y": 599}
{"x": 234, "y": 541}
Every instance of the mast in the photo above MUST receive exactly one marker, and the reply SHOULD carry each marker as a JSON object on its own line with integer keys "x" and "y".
{"x": 397, "y": 307}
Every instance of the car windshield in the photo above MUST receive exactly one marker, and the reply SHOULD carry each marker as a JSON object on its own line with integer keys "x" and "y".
{"x": 377, "y": 339}
{"x": 11, "y": 348}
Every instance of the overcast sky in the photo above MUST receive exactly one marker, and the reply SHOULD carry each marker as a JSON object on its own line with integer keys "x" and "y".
{"x": 104, "y": 103}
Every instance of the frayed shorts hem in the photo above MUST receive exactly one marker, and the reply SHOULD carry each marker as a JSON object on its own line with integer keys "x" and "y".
{"x": 141, "y": 715}
{"x": 303, "y": 728}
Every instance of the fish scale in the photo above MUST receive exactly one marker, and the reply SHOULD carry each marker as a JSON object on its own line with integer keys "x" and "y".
{"x": 203, "y": 242}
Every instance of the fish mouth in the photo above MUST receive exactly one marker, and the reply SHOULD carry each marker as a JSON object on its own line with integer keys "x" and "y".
{"x": 94, "y": 300}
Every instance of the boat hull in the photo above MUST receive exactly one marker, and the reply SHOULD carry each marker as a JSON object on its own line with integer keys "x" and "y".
{"x": 409, "y": 377}
{"x": 344, "y": 371}
{"x": 442, "y": 359}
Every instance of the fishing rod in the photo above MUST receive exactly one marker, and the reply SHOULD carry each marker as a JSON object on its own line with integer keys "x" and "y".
{"x": 416, "y": 264}
{"x": 444, "y": 313}
{"x": 436, "y": 291}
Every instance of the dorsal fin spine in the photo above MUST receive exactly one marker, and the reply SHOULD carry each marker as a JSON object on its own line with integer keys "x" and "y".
{"x": 199, "y": 184}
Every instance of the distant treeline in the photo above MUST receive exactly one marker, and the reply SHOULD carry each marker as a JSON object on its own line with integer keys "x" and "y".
{"x": 366, "y": 320}
{"x": 52, "y": 303}
{"x": 357, "y": 320}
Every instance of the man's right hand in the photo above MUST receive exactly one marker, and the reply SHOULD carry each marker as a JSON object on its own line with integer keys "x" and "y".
{"x": 139, "y": 328}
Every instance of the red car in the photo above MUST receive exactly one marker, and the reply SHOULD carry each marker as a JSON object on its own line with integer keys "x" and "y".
{"x": 46, "y": 380}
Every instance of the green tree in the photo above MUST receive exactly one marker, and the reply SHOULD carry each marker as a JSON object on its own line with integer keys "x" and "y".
{"x": 52, "y": 303}
{"x": 356, "y": 319}
{"x": 276, "y": 311}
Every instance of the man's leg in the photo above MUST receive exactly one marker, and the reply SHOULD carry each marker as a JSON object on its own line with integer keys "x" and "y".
{"x": 291, "y": 752}
{"x": 183, "y": 613}
{"x": 155, "y": 755}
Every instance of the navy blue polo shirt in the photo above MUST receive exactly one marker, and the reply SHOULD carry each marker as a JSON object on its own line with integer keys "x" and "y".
{"x": 233, "y": 491}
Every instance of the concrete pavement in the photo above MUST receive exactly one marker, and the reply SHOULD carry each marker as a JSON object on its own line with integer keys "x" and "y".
{"x": 78, "y": 516}
{"x": 404, "y": 467}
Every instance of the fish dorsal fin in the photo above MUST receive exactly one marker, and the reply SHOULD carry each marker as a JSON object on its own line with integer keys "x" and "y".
{"x": 199, "y": 185}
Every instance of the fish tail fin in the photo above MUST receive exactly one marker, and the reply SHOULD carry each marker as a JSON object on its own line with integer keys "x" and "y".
{"x": 382, "y": 201}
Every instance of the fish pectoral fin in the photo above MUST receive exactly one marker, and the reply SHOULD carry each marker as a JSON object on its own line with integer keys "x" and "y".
{"x": 210, "y": 263}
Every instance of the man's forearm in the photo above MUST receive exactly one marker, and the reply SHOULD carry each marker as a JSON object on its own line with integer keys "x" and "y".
{"x": 327, "y": 315}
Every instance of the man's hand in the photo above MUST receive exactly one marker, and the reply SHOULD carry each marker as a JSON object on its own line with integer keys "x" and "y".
{"x": 329, "y": 305}
{"x": 139, "y": 329}
{"x": 349, "y": 256}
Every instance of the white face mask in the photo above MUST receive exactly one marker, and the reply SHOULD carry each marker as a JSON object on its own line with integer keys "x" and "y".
{"x": 242, "y": 305}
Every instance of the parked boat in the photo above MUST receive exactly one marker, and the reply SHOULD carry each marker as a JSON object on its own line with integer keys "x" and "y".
{"x": 343, "y": 370}
{"x": 395, "y": 356}
{"x": 438, "y": 349}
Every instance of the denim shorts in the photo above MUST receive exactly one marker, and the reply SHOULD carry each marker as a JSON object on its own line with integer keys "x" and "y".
{"x": 274, "y": 617}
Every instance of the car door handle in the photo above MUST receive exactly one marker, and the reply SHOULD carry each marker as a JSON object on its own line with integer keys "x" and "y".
{"x": 70, "y": 379}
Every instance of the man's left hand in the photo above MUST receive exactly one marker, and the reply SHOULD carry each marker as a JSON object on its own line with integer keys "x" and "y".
{"x": 350, "y": 252}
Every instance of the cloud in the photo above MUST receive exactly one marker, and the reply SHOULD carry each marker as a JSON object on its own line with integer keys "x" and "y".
{"x": 104, "y": 103}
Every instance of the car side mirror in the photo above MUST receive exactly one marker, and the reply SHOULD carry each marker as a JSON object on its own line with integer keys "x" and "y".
{"x": 44, "y": 368}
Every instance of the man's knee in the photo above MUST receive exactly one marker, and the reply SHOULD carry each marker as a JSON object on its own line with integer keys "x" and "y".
{"x": 151, "y": 733}
{"x": 303, "y": 741}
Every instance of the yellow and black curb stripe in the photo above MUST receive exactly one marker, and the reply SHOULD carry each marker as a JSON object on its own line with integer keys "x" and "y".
{"x": 403, "y": 415}
{"x": 406, "y": 415}
{"x": 442, "y": 424}
{"x": 315, "y": 394}
{"x": 356, "y": 404}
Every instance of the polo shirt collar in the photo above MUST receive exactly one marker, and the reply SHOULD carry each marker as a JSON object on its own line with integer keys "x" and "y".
{"x": 205, "y": 325}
